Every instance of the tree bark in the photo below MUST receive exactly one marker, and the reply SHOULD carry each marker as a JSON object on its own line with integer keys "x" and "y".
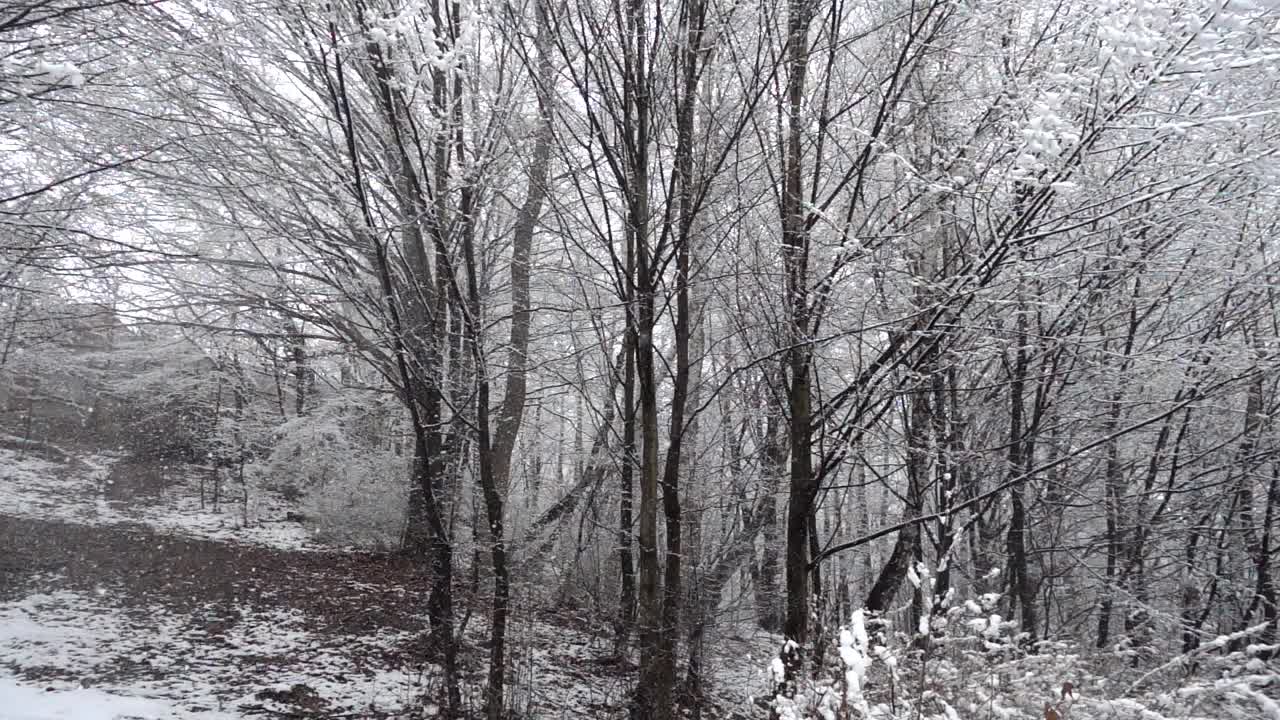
{"x": 906, "y": 545}
{"x": 1114, "y": 488}
{"x": 649, "y": 700}
{"x": 515, "y": 392}
{"x": 626, "y": 496}
{"x": 413, "y": 308}
{"x": 795, "y": 255}
{"x": 1020, "y": 582}
{"x": 492, "y": 494}
{"x": 773, "y": 458}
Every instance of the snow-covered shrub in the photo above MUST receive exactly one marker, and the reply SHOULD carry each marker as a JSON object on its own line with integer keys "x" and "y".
{"x": 965, "y": 661}
{"x": 951, "y": 666}
{"x": 353, "y": 488}
{"x": 162, "y": 406}
{"x": 365, "y": 509}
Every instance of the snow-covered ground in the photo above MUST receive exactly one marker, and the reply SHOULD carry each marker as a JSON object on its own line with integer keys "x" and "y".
{"x": 28, "y": 702}
{"x": 80, "y": 492}
{"x": 73, "y": 647}
{"x": 88, "y": 652}
{"x": 99, "y": 654}
{"x": 76, "y": 648}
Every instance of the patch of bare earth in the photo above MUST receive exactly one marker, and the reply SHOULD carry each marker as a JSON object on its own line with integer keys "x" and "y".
{"x": 347, "y": 603}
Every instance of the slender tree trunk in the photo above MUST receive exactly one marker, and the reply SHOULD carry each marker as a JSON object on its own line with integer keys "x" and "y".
{"x": 649, "y": 700}
{"x": 1191, "y": 596}
{"x": 697, "y": 618}
{"x": 816, "y": 590}
{"x": 655, "y": 691}
{"x": 493, "y": 495}
{"x": 1114, "y": 482}
{"x": 1114, "y": 488}
{"x": 301, "y": 373}
{"x": 795, "y": 255}
{"x": 1020, "y": 576}
{"x": 905, "y": 546}
{"x": 947, "y": 441}
{"x": 1251, "y": 539}
{"x": 1020, "y": 460}
{"x": 415, "y": 345}
{"x": 1267, "y": 591}
{"x": 773, "y": 458}
{"x": 626, "y": 560}
{"x": 511, "y": 411}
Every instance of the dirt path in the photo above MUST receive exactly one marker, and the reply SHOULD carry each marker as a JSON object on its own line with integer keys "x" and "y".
{"x": 345, "y": 592}
{"x": 345, "y": 603}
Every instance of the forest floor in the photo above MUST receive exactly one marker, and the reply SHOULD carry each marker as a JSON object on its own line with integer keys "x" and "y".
{"x": 122, "y": 595}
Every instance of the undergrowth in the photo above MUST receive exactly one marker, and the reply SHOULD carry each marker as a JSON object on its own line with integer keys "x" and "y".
{"x": 964, "y": 661}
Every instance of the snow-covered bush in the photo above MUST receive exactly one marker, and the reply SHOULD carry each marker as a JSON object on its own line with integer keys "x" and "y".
{"x": 950, "y": 661}
{"x": 161, "y": 406}
{"x": 364, "y": 509}
{"x": 965, "y": 661}
{"x": 353, "y": 484}
{"x": 961, "y": 666}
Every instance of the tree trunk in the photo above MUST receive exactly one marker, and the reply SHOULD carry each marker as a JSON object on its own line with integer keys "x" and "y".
{"x": 413, "y": 307}
{"x": 905, "y": 546}
{"x": 656, "y": 687}
{"x": 301, "y": 372}
{"x": 947, "y": 441}
{"x": 773, "y": 457}
{"x": 626, "y": 559}
{"x": 1114, "y": 487}
{"x": 692, "y": 694}
{"x": 1255, "y": 543}
{"x": 1191, "y": 596}
{"x": 1114, "y": 491}
{"x": 1267, "y": 591}
{"x": 511, "y": 411}
{"x": 652, "y": 698}
{"x": 1020, "y": 460}
{"x": 795, "y": 255}
{"x": 492, "y": 487}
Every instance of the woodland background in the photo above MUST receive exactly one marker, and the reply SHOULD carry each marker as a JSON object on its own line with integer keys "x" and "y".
{"x": 959, "y": 314}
